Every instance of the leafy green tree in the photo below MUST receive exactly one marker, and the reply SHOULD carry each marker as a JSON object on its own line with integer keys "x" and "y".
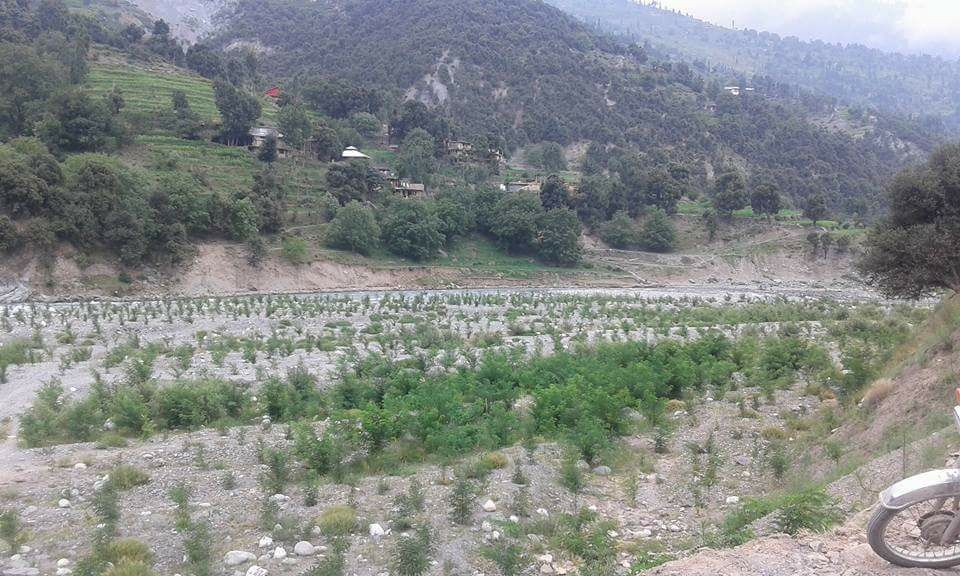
{"x": 268, "y": 151}
{"x": 661, "y": 190}
{"x": 514, "y": 221}
{"x": 326, "y": 142}
{"x": 244, "y": 220}
{"x": 28, "y": 80}
{"x": 295, "y": 125}
{"x": 593, "y": 200}
{"x": 456, "y": 220}
{"x": 22, "y": 192}
{"x": 238, "y": 110}
{"x": 78, "y": 122}
{"x": 815, "y": 208}
{"x": 620, "y": 232}
{"x": 554, "y": 194}
{"x": 10, "y": 238}
{"x": 366, "y": 124}
{"x": 730, "y": 194}
{"x": 269, "y": 196}
{"x": 711, "y": 222}
{"x": 766, "y": 200}
{"x": 547, "y": 156}
{"x": 188, "y": 123}
{"x": 354, "y": 228}
{"x": 560, "y": 237}
{"x": 915, "y": 249}
{"x": 416, "y": 159}
{"x": 412, "y": 230}
{"x": 659, "y": 233}
{"x": 353, "y": 181}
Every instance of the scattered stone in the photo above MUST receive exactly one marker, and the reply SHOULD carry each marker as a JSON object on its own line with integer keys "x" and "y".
{"x": 79, "y": 466}
{"x": 489, "y": 506}
{"x": 376, "y": 531}
{"x": 486, "y": 526}
{"x": 63, "y": 562}
{"x": 238, "y": 557}
{"x": 279, "y": 553}
{"x": 602, "y": 471}
{"x": 265, "y": 542}
{"x": 256, "y": 571}
{"x": 732, "y": 500}
{"x": 63, "y": 503}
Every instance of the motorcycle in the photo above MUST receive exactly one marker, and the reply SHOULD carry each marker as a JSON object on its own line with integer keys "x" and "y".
{"x": 917, "y": 524}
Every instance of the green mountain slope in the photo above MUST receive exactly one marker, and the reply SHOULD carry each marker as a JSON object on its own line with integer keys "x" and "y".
{"x": 901, "y": 84}
{"x": 528, "y": 72}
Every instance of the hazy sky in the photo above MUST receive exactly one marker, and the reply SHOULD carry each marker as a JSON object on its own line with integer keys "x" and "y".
{"x": 928, "y": 26}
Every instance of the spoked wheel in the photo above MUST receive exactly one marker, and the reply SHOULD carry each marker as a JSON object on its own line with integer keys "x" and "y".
{"x": 914, "y": 537}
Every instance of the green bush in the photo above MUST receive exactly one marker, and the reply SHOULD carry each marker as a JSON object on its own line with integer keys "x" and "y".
{"x": 295, "y": 251}
{"x": 354, "y": 228}
{"x": 125, "y": 477}
{"x": 338, "y": 521}
{"x": 412, "y": 553}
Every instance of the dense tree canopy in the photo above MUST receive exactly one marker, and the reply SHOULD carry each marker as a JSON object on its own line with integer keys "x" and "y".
{"x": 916, "y": 248}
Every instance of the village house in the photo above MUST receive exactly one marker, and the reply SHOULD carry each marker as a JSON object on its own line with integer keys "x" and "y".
{"x": 351, "y": 153}
{"x": 406, "y": 188}
{"x": 463, "y": 151}
{"x": 522, "y": 186}
{"x": 259, "y": 137}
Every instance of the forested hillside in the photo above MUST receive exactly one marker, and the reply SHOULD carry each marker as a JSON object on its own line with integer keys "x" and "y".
{"x": 924, "y": 87}
{"x": 524, "y": 72}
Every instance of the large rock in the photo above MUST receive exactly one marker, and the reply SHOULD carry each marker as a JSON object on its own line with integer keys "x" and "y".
{"x": 602, "y": 471}
{"x": 489, "y": 506}
{"x": 304, "y": 548}
{"x": 376, "y": 531}
{"x": 238, "y": 557}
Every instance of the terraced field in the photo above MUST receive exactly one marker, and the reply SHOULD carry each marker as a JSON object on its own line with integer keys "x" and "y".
{"x": 150, "y": 89}
{"x": 225, "y": 168}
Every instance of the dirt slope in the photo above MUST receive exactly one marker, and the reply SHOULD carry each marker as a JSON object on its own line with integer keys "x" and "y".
{"x": 843, "y": 552}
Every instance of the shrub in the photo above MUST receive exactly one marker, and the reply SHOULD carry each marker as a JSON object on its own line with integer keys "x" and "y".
{"x": 198, "y": 548}
{"x": 811, "y": 509}
{"x": 338, "y": 521}
{"x": 276, "y": 476}
{"x": 462, "y": 499}
{"x": 10, "y": 529}
{"x": 571, "y": 477}
{"x": 620, "y": 232}
{"x": 294, "y": 250}
{"x": 877, "y": 393}
{"x": 129, "y": 550}
{"x": 659, "y": 234}
{"x": 508, "y": 556}
{"x": 412, "y": 554}
{"x": 130, "y": 568}
{"x": 125, "y": 477}
{"x": 354, "y": 228}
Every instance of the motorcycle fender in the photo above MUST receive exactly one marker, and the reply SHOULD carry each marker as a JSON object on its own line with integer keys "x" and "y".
{"x": 926, "y": 486}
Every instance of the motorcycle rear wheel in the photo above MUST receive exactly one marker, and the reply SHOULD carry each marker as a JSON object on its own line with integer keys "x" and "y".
{"x": 892, "y": 547}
